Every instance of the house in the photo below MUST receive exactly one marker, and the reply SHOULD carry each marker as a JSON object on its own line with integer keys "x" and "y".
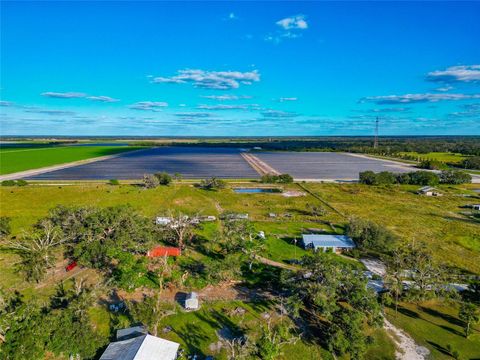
{"x": 160, "y": 251}
{"x": 191, "y": 301}
{"x": 428, "y": 191}
{"x": 136, "y": 344}
{"x": 162, "y": 220}
{"x": 476, "y": 207}
{"x": 336, "y": 243}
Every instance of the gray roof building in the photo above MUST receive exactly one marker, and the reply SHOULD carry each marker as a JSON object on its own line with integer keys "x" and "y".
{"x": 324, "y": 242}
{"x": 143, "y": 347}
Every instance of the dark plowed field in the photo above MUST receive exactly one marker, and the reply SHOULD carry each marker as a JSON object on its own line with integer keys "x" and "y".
{"x": 194, "y": 162}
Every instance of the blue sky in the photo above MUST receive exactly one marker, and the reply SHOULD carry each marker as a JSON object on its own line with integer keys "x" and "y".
{"x": 239, "y": 68}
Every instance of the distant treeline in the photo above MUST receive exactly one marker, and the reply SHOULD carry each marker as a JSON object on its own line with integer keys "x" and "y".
{"x": 467, "y": 145}
{"x": 415, "y": 178}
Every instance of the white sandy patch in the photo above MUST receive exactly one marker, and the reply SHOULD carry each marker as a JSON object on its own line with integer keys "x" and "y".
{"x": 407, "y": 348}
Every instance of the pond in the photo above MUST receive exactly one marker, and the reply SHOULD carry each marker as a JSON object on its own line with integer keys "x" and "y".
{"x": 256, "y": 190}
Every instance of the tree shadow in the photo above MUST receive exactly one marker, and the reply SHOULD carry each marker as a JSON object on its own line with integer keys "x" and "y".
{"x": 439, "y": 348}
{"x": 408, "y": 312}
{"x": 449, "y": 318}
{"x": 193, "y": 336}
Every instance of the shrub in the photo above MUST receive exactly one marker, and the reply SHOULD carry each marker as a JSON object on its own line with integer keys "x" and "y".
{"x": 368, "y": 178}
{"x": 368, "y": 235}
{"x": 455, "y": 177}
{"x": 163, "y": 178}
{"x": 213, "y": 184}
{"x": 22, "y": 182}
{"x": 403, "y": 178}
{"x": 273, "y": 179}
{"x": 423, "y": 178}
{"x": 150, "y": 181}
{"x": 431, "y": 164}
{"x": 385, "y": 178}
{"x": 113, "y": 182}
{"x": 5, "y": 227}
{"x": 472, "y": 163}
{"x": 8, "y": 183}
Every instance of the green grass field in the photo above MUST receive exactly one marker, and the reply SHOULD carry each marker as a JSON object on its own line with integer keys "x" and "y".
{"x": 440, "y": 156}
{"x": 435, "y": 326}
{"x": 435, "y": 220}
{"x": 19, "y": 159}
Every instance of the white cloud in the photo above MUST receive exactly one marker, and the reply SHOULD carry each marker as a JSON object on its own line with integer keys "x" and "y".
{"x": 66, "y": 95}
{"x": 283, "y": 99}
{"x": 444, "y": 88}
{"x": 226, "y": 97}
{"x": 149, "y": 105}
{"x": 102, "y": 98}
{"x": 293, "y": 22}
{"x": 6, "y": 103}
{"x": 49, "y": 112}
{"x": 461, "y": 73}
{"x": 278, "y": 114}
{"x": 218, "y": 80}
{"x": 417, "y": 98}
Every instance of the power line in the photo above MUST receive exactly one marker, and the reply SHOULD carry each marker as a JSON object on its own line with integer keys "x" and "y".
{"x": 375, "y": 142}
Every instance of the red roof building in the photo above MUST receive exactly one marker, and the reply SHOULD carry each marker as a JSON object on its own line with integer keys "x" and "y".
{"x": 164, "y": 251}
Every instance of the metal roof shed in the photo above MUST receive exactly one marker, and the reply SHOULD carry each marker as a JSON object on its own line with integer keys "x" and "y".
{"x": 325, "y": 242}
{"x": 144, "y": 347}
{"x": 191, "y": 301}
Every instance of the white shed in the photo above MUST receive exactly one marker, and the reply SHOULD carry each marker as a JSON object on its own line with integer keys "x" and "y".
{"x": 191, "y": 301}
{"x": 162, "y": 220}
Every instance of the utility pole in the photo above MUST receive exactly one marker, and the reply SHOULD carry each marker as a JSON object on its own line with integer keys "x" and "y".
{"x": 375, "y": 142}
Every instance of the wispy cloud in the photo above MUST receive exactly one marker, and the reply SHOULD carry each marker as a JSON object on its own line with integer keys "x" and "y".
{"x": 444, "y": 88}
{"x": 66, "y": 95}
{"x": 149, "y": 105}
{"x": 217, "y": 80}
{"x": 192, "y": 115}
{"x": 50, "y": 112}
{"x": 453, "y": 74}
{"x": 78, "y": 95}
{"x": 6, "y": 103}
{"x": 226, "y": 97}
{"x": 293, "y": 22}
{"x": 102, "y": 98}
{"x": 417, "y": 98}
{"x": 283, "y": 99}
{"x": 279, "y": 114}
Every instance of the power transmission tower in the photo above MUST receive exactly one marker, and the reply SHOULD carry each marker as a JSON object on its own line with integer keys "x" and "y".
{"x": 375, "y": 142}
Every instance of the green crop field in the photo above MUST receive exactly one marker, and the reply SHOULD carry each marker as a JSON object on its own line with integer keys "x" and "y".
{"x": 19, "y": 159}
{"x": 440, "y": 156}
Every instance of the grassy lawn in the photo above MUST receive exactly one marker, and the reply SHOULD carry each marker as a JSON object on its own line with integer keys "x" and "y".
{"x": 435, "y": 326}
{"x": 20, "y": 159}
{"x": 440, "y": 156}
{"x": 434, "y": 220}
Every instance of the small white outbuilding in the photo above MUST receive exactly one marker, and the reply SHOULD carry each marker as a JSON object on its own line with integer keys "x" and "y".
{"x": 191, "y": 301}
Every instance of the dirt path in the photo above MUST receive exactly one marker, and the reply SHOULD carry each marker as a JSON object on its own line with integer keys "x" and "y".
{"x": 33, "y": 172}
{"x": 276, "y": 263}
{"x": 407, "y": 348}
{"x": 258, "y": 165}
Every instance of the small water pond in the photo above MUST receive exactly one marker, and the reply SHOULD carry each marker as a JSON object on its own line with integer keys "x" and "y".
{"x": 256, "y": 190}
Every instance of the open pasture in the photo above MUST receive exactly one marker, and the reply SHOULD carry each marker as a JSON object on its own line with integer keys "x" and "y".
{"x": 326, "y": 165}
{"x": 190, "y": 162}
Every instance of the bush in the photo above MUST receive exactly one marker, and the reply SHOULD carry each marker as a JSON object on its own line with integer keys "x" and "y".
{"x": 8, "y": 183}
{"x": 423, "y": 178}
{"x": 472, "y": 163}
{"x": 274, "y": 179}
{"x": 113, "y": 182}
{"x": 5, "y": 227}
{"x": 403, "y": 178}
{"x": 213, "y": 184}
{"x": 431, "y": 164}
{"x": 385, "y": 178}
{"x": 370, "y": 236}
{"x": 455, "y": 177}
{"x": 22, "y": 182}
{"x": 368, "y": 177}
{"x": 150, "y": 181}
{"x": 163, "y": 178}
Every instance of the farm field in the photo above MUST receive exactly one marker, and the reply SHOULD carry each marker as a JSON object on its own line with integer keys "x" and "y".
{"x": 440, "y": 156}
{"x": 326, "y": 165}
{"x": 26, "y": 158}
{"x": 193, "y": 162}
